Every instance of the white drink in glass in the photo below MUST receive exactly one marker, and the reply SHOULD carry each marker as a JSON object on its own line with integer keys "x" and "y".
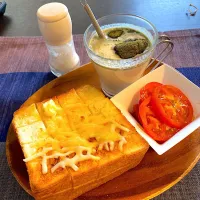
{"x": 116, "y": 73}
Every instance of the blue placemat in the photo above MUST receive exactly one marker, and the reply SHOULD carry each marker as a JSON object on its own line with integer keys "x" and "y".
{"x": 15, "y": 88}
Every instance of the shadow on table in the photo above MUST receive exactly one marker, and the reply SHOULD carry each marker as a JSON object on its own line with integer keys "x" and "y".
{"x": 4, "y": 23}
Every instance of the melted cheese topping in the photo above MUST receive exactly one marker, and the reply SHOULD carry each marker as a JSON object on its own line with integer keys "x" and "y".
{"x": 42, "y": 153}
{"x": 50, "y": 108}
{"x": 75, "y": 133}
{"x": 117, "y": 125}
{"x": 121, "y": 143}
{"x": 71, "y": 144}
{"x": 110, "y": 145}
{"x": 72, "y": 162}
{"x": 81, "y": 154}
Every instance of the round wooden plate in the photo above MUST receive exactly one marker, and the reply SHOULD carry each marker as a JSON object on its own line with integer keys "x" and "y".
{"x": 154, "y": 175}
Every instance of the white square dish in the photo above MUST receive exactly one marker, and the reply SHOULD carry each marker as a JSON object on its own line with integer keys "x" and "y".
{"x": 166, "y": 75}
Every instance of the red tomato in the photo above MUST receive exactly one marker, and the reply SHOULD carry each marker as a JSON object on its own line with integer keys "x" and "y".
{"x": 136, "y": 113}
{"x": 152, "y": 125}
{"x": 172, "y": 106}
{"x": 147, "y": 90}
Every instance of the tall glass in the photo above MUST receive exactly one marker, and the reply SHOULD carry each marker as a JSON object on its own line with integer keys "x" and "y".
{"x": 115, "y": 75}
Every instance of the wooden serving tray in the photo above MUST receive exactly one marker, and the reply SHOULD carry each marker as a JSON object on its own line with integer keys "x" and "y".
{"x": 154, "y": 175}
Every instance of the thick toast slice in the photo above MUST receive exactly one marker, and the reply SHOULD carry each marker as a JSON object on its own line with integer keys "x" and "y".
{"x": 87, "y": 124}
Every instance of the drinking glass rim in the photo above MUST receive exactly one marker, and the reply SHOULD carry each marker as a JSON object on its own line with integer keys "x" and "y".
{"x": 129, "y": 59}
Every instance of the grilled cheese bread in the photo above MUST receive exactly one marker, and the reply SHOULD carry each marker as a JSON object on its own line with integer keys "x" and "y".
{"x": 75, "y": 142}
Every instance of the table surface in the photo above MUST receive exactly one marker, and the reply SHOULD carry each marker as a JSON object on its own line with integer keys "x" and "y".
{"x": 20, "y": 20}
{"x": 20, "y": 17}
{"x": 27, "y": 56}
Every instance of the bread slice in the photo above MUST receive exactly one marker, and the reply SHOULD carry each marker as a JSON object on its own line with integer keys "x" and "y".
{"x": 69, "y": 98}
{"x": 116, "y": 162}
{"x": 25, "y": 116}
{"x": 77, "y": 113}
{"x": 29, "y": 134}
{"x": 94, "y": 141}
{"x": 53, "y": 116}
{"x": 113, "y": 163}
{"x": 88, "y": 93}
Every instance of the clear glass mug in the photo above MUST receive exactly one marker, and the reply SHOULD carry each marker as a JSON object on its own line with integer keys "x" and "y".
{"x": 115, "y": 75}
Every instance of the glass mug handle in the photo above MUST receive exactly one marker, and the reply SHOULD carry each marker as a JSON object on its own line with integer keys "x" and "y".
{"x": 163, "y": 39}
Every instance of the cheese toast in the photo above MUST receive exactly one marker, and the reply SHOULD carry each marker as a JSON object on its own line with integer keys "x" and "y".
{"x": 75, "y": 142}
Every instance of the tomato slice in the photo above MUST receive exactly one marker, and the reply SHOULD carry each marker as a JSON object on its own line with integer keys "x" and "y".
{"x": 147, "y": 90}
{"x": 136, "y": 113}
{"x": 156, "y": 129}
{"x": 172, "y": 106}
